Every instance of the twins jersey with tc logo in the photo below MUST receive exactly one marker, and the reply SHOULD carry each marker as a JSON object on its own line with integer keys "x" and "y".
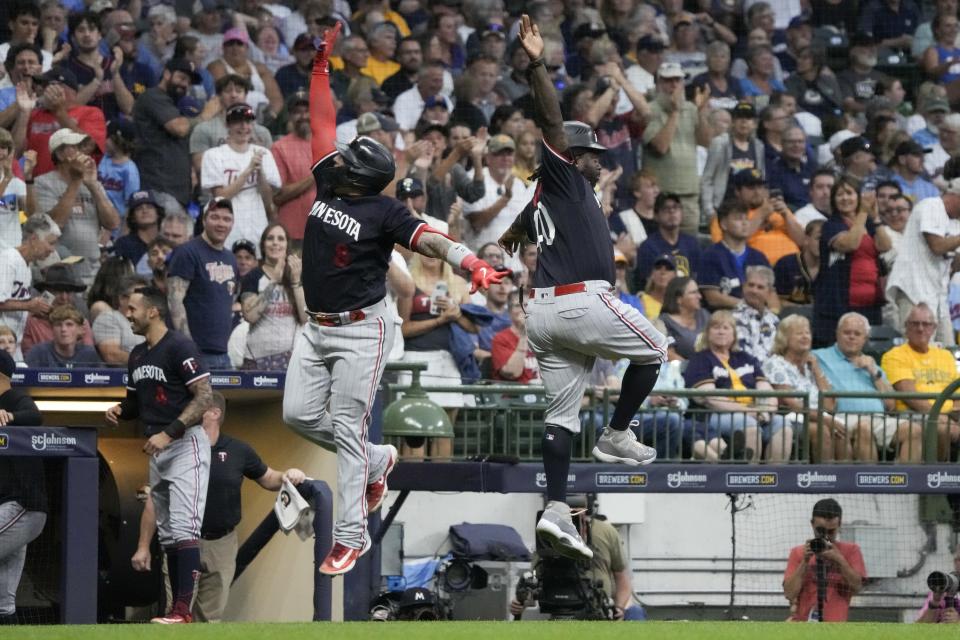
{"x": 346, "y": 253}
{"x": 574, "y": 315}
{"x": 159, "y": 378}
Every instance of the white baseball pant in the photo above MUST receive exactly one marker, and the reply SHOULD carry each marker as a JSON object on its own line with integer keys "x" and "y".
{"x": 342, "y": 366}
{"x": 568, "y": 333}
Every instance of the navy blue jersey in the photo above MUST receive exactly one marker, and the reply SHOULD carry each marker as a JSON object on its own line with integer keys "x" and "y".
{"x": 721, "y": 269}
{"x": 347, "y": 245}
{"x": 213, "y": 277}
{"x": 686, "y": 253}
{"x": 160, "y": 376}
{"x": 565, "y": 219}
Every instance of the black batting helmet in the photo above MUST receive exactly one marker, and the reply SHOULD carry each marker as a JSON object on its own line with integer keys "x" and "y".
{"x": 367, "y": 166}
{"x": 581, "y": 136}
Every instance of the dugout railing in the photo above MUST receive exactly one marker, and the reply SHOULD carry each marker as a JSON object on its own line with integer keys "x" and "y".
{"x": 506, "y": 419}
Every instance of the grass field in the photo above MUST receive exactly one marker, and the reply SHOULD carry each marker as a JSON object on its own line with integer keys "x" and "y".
{"x": 490, "y": 631}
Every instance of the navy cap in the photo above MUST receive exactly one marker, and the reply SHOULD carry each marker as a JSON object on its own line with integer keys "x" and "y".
{"x": 138, "y": 198}
{"x": 125, "y": 128}
{"x": 863, "y": 39}
{"x": 184, "y": 66}
{"x": 435, "y": 101}
{"x": 910, "y": 148}
{"x": 650, "y": 43}
{"x": 744, "y": 110}
{"x": 798, "y": 21}
{"x": 244, "y": 245}
{"x": 667, "y": 260}
{"x": 748, "y": 178}
{"x": 852, "y": 145}
{"x": 61, "y": 75}
{"x": 304, "y": 42}
{"x": 409, "y": 188}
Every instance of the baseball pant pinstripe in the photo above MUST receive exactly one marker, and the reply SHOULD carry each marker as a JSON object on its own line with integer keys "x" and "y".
{"x": 18, "y": 528}
{"x": 342, "y": 366}
{"x": 568, "y": 333}
{"x": 178, "y": 485}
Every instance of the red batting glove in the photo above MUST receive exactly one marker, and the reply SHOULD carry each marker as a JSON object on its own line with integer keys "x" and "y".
{"x": 482, "y": 275}
{"x": 325, "y": 48}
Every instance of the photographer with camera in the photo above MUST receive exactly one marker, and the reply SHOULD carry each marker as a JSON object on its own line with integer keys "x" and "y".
{"x": 941, "y": 604}
{"x": 824, "y": 573}
{"x": 607, "y": 571}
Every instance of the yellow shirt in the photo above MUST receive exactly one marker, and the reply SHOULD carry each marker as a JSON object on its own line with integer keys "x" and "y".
{"x": 736, "y": 384}
{"x": 390, "y": 16}
{"x": 378, "y": 70}
{"x": 651, "y": 306}
{"x": 931, "y": 371}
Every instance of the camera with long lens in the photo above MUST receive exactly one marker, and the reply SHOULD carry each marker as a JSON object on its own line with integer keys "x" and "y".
{"x": 819, "y": 543}
{"x": 564, "y": 588}
{"x": 453, "y": 576}
{"x": 945, "y": 583}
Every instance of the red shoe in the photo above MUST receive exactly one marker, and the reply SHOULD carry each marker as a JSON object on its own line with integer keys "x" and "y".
{"x": 173, "y": 618}
{"x": 377, "y": 490}
{"x": 342, "y": 559}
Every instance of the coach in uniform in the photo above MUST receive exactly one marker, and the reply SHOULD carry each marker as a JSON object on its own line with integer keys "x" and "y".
{"x": 340, "y": 354}
{"x": 574, "y": 315}
{"x": 231, "y": 461}
{"x": 168, "y": 389}
{"x": 23, "y": 493}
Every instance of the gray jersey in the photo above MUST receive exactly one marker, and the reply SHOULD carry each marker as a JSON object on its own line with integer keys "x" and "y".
{"x": 81, "y": 234}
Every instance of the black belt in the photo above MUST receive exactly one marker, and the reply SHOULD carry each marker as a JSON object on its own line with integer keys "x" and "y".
{"x": 215, "y": 535}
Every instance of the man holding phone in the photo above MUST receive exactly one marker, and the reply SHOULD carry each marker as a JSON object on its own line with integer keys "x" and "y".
{"x": 772, "y": 229}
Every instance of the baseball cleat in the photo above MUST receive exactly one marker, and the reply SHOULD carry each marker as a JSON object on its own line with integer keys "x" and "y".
{"x": 622, "y": 447}
{"x": 377, "y": 490}
{"x": 173, "y": 618}
{"x": 556, "y": 529}
{"x": 342, "y": 559}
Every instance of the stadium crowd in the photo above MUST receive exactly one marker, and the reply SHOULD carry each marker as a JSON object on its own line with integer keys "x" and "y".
{"x": 781, "y": 183}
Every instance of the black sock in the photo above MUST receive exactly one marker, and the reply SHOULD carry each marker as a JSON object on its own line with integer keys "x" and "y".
{"x": 9, "y": 618}
{"x": 637, "y": 384}
{"x": 173, "y": 572}
{"x": 556, "y": 461}
{"x": 188, "y": 572}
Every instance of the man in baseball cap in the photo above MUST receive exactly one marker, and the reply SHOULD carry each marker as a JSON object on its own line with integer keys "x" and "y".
{"x": 144, "y": 217}
{"x": 381, "y": 128}
{"x": 907, "y": 165}
{"x": 856, "y": 159}
{"x": 410, "y": 192}
{"x": 296, "y": 75}
{"x": 675, "y": 127}
{"x": 62, "y": 94}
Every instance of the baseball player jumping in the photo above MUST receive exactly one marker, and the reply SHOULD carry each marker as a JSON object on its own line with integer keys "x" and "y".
{"x": 169, "y": 390}
{"x": 574, "y": 315}
{"x": 338, "y": 357}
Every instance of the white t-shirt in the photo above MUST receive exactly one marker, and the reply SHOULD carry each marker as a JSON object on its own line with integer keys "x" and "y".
{"x": 220, "y": 167}
{"x": 519, "y": 198}
{"x": 15, "y": 282}
{"x": 408, "y": 107}
{"x": 919, "y": 273}
{"x": 807, "y": 214}
{"x": 10, "y": 234}
{"x": 933, "y": 162}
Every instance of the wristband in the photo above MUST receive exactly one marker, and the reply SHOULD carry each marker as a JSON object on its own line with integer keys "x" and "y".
{"x": 539, "y": 62}
{"x": 175, "y": 429}
{"x": 460, "y": 256}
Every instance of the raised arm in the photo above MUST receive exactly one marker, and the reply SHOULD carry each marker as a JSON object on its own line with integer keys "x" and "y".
{"x": 323, "y": 115}
{"x": 546, "y": 104}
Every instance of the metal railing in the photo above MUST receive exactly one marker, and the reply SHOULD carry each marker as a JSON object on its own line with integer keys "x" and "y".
{"x": 505, "y": 419}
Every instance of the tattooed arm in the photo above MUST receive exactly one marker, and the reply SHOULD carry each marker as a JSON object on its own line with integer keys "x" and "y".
{"x": 191, "y": 415}
{"x": 434, "y": 244}
{"x": 176, "y": 292}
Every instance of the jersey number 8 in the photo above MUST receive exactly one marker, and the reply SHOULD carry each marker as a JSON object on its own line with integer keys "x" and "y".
{"x": 341, "y": 256}
{"x": 546, "y": 230}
